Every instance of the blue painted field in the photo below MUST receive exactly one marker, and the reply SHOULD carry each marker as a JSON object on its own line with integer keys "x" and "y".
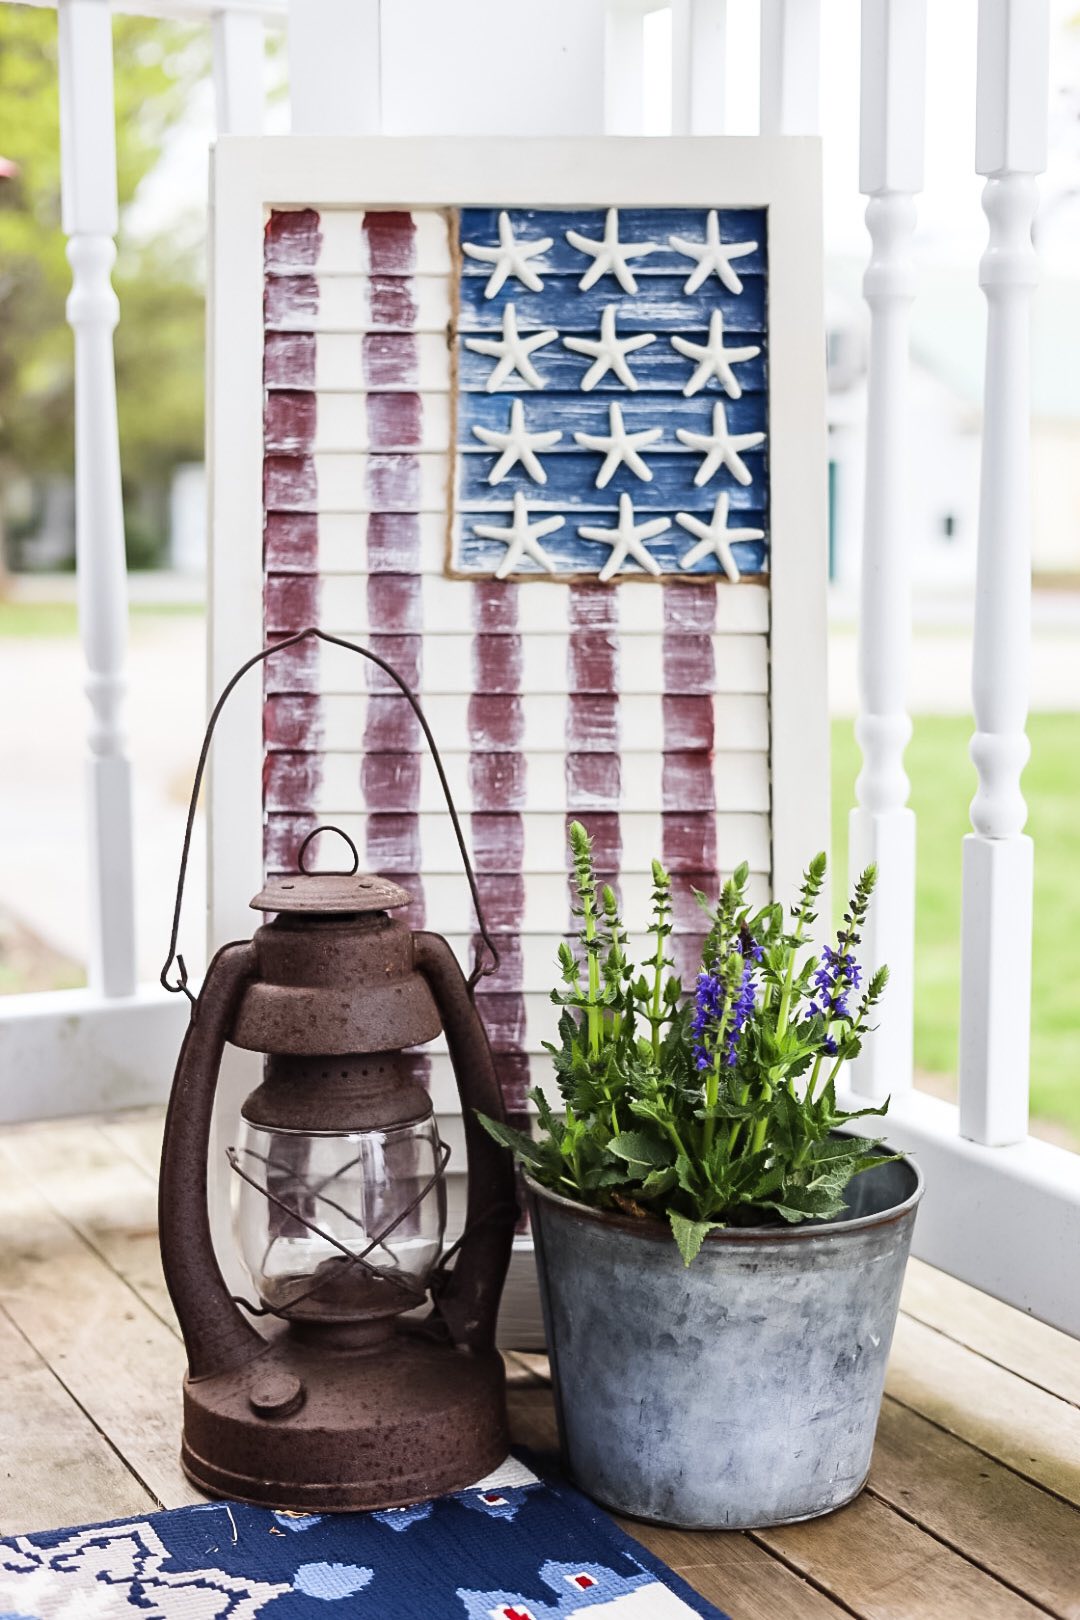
{"x": 660, "y": 305}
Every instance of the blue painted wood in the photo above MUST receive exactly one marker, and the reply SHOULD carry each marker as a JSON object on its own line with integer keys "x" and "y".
{"x": 570, "y": 554}
{"x": 659, "y": 305}
{"x": 588, "y": 413}
{"x": 480, "y": 225}
{"x": 571, "y": 482}
{"x": 659, "y": 367}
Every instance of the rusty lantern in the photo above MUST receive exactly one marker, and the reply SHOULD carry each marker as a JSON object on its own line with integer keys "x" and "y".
{"x": 367, "y": 1375}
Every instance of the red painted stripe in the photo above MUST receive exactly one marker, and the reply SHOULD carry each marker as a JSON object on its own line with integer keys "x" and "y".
{"x": 292, "y": 727}
{"x": 593, "y": 767}
{"x": 390, "y": 361}
{"x": 292, "y": 721}
{"x": 393, "y": 742}
{"x": 391, "y": 242}
{"x": 290, "y": 301}
{"x": 688, "y": 795}
{"x": 392, "y": 303}
{"x": 497, "y": 772}
{"x": 289, "y": 483}
{"x": 292, "y": 237}
{"x": 289, "y": 360}
{"x": 290, "y": 601}
{"x": 393, "y": 421}
{"x": 291, "y": 542}
{"x": 289, "y": 422}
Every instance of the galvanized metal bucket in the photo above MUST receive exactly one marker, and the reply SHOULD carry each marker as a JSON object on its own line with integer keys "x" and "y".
{"x": 741, "y": 1391}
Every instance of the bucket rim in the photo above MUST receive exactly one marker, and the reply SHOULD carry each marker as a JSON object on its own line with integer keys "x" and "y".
{"x": 657, "y": 1231}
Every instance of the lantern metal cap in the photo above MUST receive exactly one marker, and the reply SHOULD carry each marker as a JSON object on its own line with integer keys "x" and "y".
{"x": 329, "y": 893}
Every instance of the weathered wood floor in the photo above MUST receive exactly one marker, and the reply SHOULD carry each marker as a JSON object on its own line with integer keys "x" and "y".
{"x": 973, "y": 1506}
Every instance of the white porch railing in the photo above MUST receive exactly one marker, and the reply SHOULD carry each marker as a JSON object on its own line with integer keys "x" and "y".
{"x": 998, "y": 1202}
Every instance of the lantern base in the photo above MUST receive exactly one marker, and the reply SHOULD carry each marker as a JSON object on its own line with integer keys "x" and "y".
{"x": 312, "y": 1429}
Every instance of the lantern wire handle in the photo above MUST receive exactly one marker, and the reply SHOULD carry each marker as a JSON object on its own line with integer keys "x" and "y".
{"x": 480, "y": 969}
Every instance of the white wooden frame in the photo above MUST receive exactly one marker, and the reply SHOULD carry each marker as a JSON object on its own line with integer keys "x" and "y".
{"x": 782, "y": 175}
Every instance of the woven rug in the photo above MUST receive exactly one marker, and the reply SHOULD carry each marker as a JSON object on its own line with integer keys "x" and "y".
{"x": 512, "y": 1547}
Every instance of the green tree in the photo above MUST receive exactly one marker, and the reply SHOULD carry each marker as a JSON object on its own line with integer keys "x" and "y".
{"x": 159, "y": 342}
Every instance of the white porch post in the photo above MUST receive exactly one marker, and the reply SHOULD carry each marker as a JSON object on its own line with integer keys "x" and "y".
{"x": 698, "y": 61}
{"x": 882, "y": 827}
{"x": 239, "y": 66}
{"x": 790, "y": 67}
{"x": 335, "y": 59}
{"x": 995, "y": 991}
{"x": 88, "y": 146}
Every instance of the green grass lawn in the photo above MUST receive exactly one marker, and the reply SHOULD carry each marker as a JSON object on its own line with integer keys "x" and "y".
{"x": 942, "y": 784}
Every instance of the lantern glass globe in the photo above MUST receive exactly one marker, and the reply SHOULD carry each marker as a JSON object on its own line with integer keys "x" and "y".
{"x": 321, "y": 1198}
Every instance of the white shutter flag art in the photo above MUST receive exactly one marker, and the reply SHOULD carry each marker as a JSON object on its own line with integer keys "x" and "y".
{"x": 524, "y": 453}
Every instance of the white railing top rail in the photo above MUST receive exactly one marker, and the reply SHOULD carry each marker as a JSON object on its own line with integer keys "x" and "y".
{"x": 270, "y": 11}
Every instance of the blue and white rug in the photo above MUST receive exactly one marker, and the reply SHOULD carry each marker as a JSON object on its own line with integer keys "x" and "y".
{"x": 512, "y": 1547}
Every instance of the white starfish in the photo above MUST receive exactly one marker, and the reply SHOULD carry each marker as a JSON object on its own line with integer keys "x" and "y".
{"x": 712, "y": 254}
{"x": 510, "y": 258}
{"x": 721, "y": 447}
{"x": 626, "y": 538}
{"x": 609, "y": 352}
{"x": 521, "y": 538}
{"x": 619, "y": 447}
{"x": 512, "y": 351}
{"x": 610, "y": 255}
{"x": 517, "y": 444}
{"x": 714, "y": 360}
{"x": 715, "y": 538}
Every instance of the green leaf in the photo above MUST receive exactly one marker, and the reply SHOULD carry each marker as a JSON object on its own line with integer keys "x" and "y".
{"x": 689, "y": 1235}
{"x": 521, "y": 1146}
{"x": 638, "y": 1147}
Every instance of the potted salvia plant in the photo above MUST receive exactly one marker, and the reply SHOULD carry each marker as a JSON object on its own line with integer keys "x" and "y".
{"x": 720, "y": 1260}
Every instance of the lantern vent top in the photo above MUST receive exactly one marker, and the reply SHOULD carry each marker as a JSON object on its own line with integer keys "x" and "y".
{"x": 329, "y": 894}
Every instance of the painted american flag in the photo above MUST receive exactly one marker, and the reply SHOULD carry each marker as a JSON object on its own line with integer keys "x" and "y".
{"x": 523, "y": 453}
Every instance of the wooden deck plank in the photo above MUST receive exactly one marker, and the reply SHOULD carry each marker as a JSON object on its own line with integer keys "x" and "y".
{"x": 138, "y": 1135}
{"x": 55, "y": 1466}
{"x": 885, "y": 1568}
{"x": 117, "y": 1359}
{"x": 1003, "y": 1335}
{"x": 106, "y": 1197}
{"x": 1021, "y": 1425}
{"x": 1024, "y": 1536}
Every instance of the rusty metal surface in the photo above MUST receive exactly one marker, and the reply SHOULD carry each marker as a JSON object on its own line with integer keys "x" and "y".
{"x": 335, "y": 985}
{"x": 369, "y": 1429}
{"x": 328, "y": 893}
{"x": 370, "y": 1091}
{"x": 342, "y": 1415}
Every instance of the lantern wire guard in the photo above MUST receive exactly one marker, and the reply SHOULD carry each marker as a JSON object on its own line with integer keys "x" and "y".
{"x": 415, "y": 1293}
{"x": 479, "y": 970}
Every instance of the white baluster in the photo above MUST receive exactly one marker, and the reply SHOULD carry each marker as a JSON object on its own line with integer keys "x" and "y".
{"x": 88, "y": 151}
{"x": 882, "y": 827}
{"x": 995, "y": 991}
{"x": 239, "y": 69}
{"x": 790, "y": 72}
{"x": 698, "y": 57}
